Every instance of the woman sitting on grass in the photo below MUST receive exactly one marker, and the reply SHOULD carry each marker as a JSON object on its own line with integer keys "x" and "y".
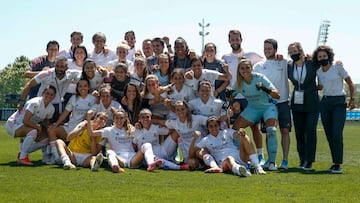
{"x": 185, "y": 125}
{"x": 83, "y": 147}
{"x": 150, "y": 133}
{"x": 223, "y": 152}
{"x": 122, "y": 153}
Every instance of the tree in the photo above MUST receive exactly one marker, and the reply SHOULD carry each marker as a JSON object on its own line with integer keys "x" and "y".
{"x": 12, "y": 81}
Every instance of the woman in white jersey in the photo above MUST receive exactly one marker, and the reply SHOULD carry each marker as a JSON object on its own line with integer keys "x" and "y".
{"x": 122, "y": 153}
{"x": 31, "y": 122}
{"x": 150, "y": 133}
{"x": 333, "y": 103}
{"x": 224, "y": 153}
{"x": 94, "y": 74}
{"x": 198, "y": 73}
{"x": 77, "y": 61}
{"x": 106, "y": 103}
{"x": 178, "y": 91}
{"x": 207, "y": 105}
{"x": 185, "y": 125}
{"x": 78, "y": 106}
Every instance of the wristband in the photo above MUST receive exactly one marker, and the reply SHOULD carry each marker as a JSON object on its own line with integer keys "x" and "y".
{"x": 265, "y": 89}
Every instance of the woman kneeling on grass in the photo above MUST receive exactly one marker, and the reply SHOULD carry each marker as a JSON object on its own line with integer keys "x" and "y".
{"x": 122, "y": 153}
{"x": 31, "y": 122}
{"x": 224, "y": 152}
{"x": 83, "y": 147}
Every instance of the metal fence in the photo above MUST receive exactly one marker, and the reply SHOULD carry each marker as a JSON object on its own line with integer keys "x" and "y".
{"x": 5, "y": 113}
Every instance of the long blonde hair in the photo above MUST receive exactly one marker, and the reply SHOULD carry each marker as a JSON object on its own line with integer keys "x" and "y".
{"x": 239, "y": 77}
{"x": 188, "y": 111}
{"x": 127, "y": 125}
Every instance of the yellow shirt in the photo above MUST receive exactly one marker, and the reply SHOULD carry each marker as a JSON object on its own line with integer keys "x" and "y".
{"x": 82, "y": 143}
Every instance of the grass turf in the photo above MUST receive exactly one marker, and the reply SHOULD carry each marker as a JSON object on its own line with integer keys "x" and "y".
{"x": 42, "y": 183}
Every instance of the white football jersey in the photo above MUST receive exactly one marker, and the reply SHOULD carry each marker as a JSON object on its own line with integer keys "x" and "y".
{"x": 220, "y": 146}
{"x": 186, "y": 93}
{"x": 38, "y": 110}
{"x": 213, "y": 107}
{"x": 48, "y": 77}
{"x": 78, "y": 108}
{"x": 96, "y": 81}
{"x": 118, "y": 140}
{"x": 100, "y": 107}
{"x": 151, "y": 136}
{"x": 186, "y": 134}
{"x": 210, "y": 75}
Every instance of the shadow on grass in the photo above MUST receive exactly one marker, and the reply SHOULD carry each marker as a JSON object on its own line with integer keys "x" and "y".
{"x": 37, "y": 163}
{"x": 302, "y": 171}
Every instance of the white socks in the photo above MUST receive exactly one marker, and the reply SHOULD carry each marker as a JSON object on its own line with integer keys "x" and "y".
{"x": 148, "y": 153}
{"x": 210, "y": 161}
{"x": 28, "y": 141}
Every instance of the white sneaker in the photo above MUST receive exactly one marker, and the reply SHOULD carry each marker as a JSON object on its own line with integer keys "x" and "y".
{"x": 243, "y": 172}
{"x": 272, "y": 167}
{"x": 260, "y": 171}
{"x": 98, "y": 161}
{"x": 69, "y": 166}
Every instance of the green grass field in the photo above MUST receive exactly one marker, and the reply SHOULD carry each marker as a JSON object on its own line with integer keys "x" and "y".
{"x": 42, "y": 183}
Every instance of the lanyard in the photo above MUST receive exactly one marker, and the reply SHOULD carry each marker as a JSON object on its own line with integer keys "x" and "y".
{"x": 60, "y": 93}
{"x": 299, "y": 77}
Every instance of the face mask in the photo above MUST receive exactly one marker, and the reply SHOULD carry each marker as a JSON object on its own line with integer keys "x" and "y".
{"x": 295, "y": 57}
{"x": 323, "y": 62}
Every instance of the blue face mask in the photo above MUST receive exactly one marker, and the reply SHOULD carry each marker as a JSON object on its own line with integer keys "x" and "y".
{"x": 323, "y": 62}
{"x": 295, "y": 57}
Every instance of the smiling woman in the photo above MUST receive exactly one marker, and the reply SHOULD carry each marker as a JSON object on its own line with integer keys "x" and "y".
{"x": 259, "y": 92}
{"x": 31, "y": 122}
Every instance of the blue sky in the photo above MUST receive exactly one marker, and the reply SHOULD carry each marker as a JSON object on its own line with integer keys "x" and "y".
{"x": 28, "y": 25}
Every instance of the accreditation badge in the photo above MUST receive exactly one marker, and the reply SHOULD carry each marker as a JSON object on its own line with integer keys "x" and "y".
{"x": 299, "y": 97}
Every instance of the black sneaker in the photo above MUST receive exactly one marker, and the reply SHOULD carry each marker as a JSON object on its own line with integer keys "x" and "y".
{"x": 337, "y": 169}
{"x": 308, "y": 167}
{"x": 302, "y": 164}
{"x": 331, "y": 169}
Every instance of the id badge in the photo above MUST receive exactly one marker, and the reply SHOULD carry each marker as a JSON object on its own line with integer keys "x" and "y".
{"x": 299, "y": 97}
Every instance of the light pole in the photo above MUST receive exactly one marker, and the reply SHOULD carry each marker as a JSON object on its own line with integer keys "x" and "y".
{"x": 202, "y": 33}
{"x": 323, "y": 32}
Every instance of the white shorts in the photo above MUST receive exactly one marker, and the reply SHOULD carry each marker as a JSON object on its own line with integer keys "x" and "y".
{"x": 126, "y": 157}
{"x": 167, "y": 149}
{"x": 11, "y": 127}
{"x": 80, "y": 158}
{"x": 236, "y": 157}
